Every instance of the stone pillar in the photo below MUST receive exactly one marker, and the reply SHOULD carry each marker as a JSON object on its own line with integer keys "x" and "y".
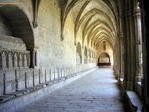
{"x": 116, "y": 60}
{"x": 121, "y": 75}
{"x": 33, "y": 57}
{"x": 129, "y": 58}
{"x": 138, "y": 35}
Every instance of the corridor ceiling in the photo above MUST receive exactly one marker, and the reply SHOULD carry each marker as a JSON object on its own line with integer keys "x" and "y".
{"x": 97, "y": 20}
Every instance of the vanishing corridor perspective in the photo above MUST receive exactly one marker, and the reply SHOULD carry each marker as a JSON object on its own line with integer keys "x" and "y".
{"x": 74, "y": 56}
{"x": 95, "y": 92}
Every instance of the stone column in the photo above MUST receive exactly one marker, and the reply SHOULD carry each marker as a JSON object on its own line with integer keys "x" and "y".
{"x": 138, "y": 36}
{"x": 121, "y": 55}
{"x": 34, "y": 63}
{"x": 116, "y": 65}
{"x": 128, "y": 49}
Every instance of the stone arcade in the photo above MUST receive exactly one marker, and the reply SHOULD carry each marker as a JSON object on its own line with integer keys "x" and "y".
{"x": 47, "y": 44}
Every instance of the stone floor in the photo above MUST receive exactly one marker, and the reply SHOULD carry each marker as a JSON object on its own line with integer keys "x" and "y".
{"x": 95, "y": 92}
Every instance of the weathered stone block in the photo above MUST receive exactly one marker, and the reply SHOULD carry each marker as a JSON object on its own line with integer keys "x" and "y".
{"x": 10, "y": 87}
{"x": 21, "y": 79}
{"x": 36, "y": 77}
{"x": 10, "y": 81}
{"x": 42, "y": 75}
{"x": 10, "y": 75}
{"x": 29, "y": 78}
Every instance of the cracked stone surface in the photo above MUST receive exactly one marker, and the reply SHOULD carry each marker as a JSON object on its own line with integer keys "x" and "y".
{"x": 95, "y": 92}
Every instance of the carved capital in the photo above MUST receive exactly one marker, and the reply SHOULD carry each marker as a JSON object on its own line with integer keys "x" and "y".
{"x": 137, "y": 13}
{"x": 35, "y": 24}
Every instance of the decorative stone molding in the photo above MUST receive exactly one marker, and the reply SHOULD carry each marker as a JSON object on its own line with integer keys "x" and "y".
{"x": 14, "y": 59}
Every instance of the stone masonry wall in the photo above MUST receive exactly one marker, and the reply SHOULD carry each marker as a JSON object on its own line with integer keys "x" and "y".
{"x": 4, "y": 27}
{"x": 55, "y": 59}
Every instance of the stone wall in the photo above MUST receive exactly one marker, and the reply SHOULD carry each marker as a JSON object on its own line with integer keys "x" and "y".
{"x": 4, "y": 27}
{"x": 25, "y": 97}
{"x": 12, "y": 43}
{"x": 105, "y": 49}
{"x": 53, "y": 58}
{"x": 12, "y": 81}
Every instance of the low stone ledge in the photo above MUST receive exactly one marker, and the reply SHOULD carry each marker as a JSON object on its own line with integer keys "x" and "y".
{"x": 26, "y": 96}
{"x": 19, "y": 93}
{"x": 134, "y": 101}
{"x": 5, "y": 98}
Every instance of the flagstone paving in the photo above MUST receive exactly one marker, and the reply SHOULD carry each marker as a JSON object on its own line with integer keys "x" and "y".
{"x": 95, "y": 92}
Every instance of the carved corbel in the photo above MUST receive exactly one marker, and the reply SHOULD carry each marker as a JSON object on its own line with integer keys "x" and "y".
{"x": 35, "y": 12}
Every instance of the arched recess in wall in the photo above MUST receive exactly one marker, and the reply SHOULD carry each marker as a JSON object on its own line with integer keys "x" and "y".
{"x": 20, "y": 32}
{"x": 104, "y": 59}
{"x": 79, "y": 53}
{"x": 85, "y": 55}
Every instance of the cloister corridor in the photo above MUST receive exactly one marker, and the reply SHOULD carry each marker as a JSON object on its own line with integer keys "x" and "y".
{"x": 74, "y": 56}
{"x": 94, "y": 92}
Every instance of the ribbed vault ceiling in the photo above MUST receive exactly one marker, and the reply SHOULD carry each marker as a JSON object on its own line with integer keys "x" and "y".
{"x": 97, "y": 20}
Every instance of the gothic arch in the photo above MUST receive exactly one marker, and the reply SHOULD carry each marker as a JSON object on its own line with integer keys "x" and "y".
{"x": 104, "y": 58}
{"x": 22, "y": 30}
{"x": 20, "y": 24}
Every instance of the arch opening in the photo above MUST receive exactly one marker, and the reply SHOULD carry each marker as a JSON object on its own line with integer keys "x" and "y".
{"x": 18, "y": 24}
{"x": 17, "y": 36}
{"x": 104, "y": 59}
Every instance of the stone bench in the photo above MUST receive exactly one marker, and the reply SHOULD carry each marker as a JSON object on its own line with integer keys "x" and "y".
{"x": 19, "y": 93}
{"x": 14, "y": 101}
{"x": 135, "y": 102}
